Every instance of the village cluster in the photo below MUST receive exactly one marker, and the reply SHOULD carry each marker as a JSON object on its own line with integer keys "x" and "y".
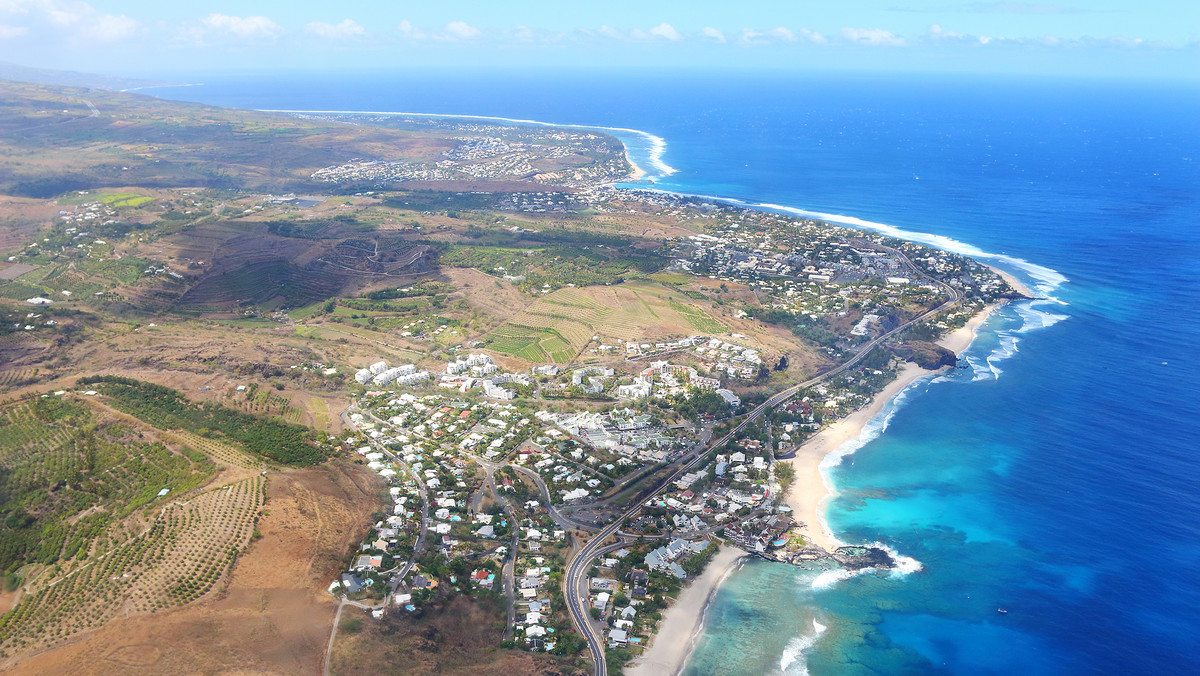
{"x": 494, "y": 153}
{"x": 439, "y": 453}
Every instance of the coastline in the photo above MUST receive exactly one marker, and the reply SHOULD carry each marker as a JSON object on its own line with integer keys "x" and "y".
{"x": 810, "y": 492}
{"x": 635, "y": 172}
{"x": 1012, "y": 281}
{"x": 672, "y": 645}
{"x": 808, "y": 496}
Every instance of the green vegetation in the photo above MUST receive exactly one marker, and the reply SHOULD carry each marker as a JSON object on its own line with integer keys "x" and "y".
{"x": 697, "y": 318}
{"x": 167, "y": 408}
{"x": 58, "y": 462}
{"x": 550, "y": 262}
{"x": 532, "y": 343}
{"x": 182, "y": 555}
{"x": 125, "y": 199}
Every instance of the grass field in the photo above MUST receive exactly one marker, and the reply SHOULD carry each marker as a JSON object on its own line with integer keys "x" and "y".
{"x": 559, "y": 325}
{"x": 125, "y": 199}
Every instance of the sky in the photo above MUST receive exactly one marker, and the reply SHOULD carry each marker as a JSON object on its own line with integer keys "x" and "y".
{"x": 1129, "y": 38}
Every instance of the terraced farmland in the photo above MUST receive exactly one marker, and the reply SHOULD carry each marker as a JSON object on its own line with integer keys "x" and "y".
{"x": 557, "y": 327}
{"x": 219, "y": 451}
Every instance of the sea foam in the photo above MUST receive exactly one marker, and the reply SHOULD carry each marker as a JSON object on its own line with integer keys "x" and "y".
{"x": 792, "y": 661}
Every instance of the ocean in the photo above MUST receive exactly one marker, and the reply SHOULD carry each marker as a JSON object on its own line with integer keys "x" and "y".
{"x": 1056, "y": 478}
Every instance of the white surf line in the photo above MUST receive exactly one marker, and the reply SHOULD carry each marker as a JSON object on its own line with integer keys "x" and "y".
{"x": 658, "y": 145}
{"x": 1047, "y": 279}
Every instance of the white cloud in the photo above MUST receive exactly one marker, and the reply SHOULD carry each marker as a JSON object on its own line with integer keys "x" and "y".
{"x": 782, "y": 33}
{"x": 522, "y": 33}
{"x": 813, "y": 36}
{"x": 77, "y": 19}
{"x": 750, "y": 36}
{"x": 938, "y": 35}
{"x": 666, "y": 30}
{"x": 713, "y": 34}
{"x": 410, "y": 31}
{"x": 9, "y": 32}
{"x": 459, "y": 30}
{"x": 610, "y": 32}
{"x": 110, "y": 28}
{"x": 872, "y": 36}
{"x": 249, "y": 27}
{"x": 348, "y": 28}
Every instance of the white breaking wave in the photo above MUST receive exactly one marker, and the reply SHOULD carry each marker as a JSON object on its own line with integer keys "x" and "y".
{"x": 829, "y": 578}
{"x": 658, "y": 145}
{"x": 793, "y": 654}
{"x": 905, "y": 565}
{"x": 1045, "y": 280}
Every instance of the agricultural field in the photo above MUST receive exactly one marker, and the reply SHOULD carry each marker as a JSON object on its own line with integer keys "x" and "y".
{"x": 69, "y": 475}
{"x": 125, "y": 199}
{"x": 558, "y": 326}
{"x": 164, "y": 407}
{"x": 107, "y": 516}
{"x": 181, "y": 555}
{"x": 264, "y": 402}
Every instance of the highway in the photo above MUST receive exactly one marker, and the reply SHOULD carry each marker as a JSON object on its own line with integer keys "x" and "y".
{"x": 577, "y": 596}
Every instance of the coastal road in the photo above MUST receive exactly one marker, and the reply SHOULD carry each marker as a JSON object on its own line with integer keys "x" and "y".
{"x": 577, "y": 596}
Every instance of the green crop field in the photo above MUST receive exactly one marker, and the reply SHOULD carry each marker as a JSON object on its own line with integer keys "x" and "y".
{"x": 699, "y": 319}
{"x": 59, "y": 460}
{"x": 125, "y": 199}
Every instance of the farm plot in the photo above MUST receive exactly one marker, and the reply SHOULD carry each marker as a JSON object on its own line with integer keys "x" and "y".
{"x": 68, "y": 477}
{"x": 15, "y": 377}
{"x": 699, "y": 319}
{"x": 559, "y": 325}
{"x": 262, "y": 401}
{"x": 125, "y": 199}
{"x": 186, "y": 551}
{"x": 220, "y": 452}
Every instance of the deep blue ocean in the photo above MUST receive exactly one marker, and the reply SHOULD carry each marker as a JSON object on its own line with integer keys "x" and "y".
{"x": 1059, "y": 477}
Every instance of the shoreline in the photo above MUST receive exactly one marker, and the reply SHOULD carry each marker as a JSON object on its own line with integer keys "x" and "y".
{"x": 684, "y": 619}
{"x": 1012, "y": 281}
{"x": 810, "y": 492}
{"x": 808, "y": 496}
{"x": 636, "y": 173}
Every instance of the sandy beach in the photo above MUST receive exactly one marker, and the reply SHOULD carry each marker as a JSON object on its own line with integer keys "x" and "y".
{"x": 808, "y": 494}
{"x": 636, "y": 172}
{"x": 1013, "y": 282}
{"x": 672, "y": 643}
{"x": 958, "y": 340}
